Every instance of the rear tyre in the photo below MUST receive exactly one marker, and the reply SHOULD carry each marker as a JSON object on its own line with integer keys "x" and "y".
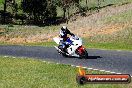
{"x": 64, "y": 55}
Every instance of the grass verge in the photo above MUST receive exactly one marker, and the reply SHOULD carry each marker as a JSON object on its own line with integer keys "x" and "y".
{"x": 92, "y": 45}
{"x": 30, "y": 73}
{"x": 89, "y": 45}
{"x": 111, "y": 46}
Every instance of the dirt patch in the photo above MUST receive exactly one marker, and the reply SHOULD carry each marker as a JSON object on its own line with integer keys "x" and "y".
{"x": 109, "y": 29}
{"x": 30, "y": 39}
{"x": 82, "y": 32}
{"x": 90, "y": 25}
{"x": 106, "y": 29}
{"x": 2, "y": 30}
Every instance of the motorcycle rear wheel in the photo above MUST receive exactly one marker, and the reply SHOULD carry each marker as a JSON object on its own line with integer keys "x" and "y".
{"x": 64, "y": 55}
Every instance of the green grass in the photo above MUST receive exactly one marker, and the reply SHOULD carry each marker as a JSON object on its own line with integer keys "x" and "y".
{"x": 87, "y": 44}
{"x": 125, "y": 17}
{"x": 45, "y": 44}
{"x": 30, "y": 73}
{"x": 121, "y": 40}
{"x": 111, "y": 46}
{"x": 22, "y": 31}
{"x": 91, "y": 45}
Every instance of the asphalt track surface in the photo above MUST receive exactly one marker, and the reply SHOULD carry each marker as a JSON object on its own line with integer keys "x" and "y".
{"x": 117, "y": 61}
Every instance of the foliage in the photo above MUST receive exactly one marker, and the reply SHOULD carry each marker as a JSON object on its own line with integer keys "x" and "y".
{"x": 66, "y": 4}
{"x": 42, "y": 10}
{"x": 39, "y": 10}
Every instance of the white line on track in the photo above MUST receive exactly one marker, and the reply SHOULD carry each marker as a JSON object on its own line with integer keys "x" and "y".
{"x": 77, "y": 66}
{"x": 113, "y": 72}
{"x": 84, "y": 67}
{"x": 107, "y": 71}
{"x": 5, "y": 56}
{"x": 90, "y": 68}
{"x": 73, "y": 65}
{"x": 102, "y": 70}
{"x": 96, "y": 69}
{"x": 57, "y": 63}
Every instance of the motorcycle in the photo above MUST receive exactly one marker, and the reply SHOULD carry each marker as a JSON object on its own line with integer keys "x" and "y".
{"x": 74, "y": 49}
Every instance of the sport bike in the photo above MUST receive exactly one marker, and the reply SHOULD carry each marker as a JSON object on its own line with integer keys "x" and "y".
{"x": 74, "y": 49}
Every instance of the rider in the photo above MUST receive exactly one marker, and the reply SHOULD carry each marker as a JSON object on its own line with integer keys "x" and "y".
{"x": 63, "y": 34}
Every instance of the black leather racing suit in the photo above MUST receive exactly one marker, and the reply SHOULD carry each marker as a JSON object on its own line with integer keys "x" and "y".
{"x": 63, "y": 34}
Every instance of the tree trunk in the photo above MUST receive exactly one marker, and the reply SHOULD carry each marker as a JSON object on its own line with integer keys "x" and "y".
{"x": 4, "y": 11}
{"x": 64, "y": 12}
{"x": 98, "y": 5}
{"x": 87, "y": 4}
{"x": 68, "y": 14}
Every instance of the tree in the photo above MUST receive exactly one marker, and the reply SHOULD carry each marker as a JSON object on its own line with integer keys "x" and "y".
{"x": 5, "y": 9}
{"x": 87, "y": 4}
{"x": 13, "y": 5}
{"x": 66, "y": 4}
{"x": 39, "y": 9}
{"x": 51, "y": 9}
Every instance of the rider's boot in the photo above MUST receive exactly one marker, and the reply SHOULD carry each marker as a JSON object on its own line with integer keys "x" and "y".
{"x": 65, "y": 50}
{"x": 59, "y": 49}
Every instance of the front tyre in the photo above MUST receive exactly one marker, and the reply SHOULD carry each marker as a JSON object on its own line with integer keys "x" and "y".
{"x": 81, "y": 51}
{"x": 84, "y": 55}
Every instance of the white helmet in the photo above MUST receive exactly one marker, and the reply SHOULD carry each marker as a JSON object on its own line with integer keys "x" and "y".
{"x": 63, "y": 28}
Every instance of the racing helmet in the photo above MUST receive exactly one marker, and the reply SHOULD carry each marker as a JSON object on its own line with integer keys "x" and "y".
{"x": 63, "y": 28}
{"x": 63, "y": 31}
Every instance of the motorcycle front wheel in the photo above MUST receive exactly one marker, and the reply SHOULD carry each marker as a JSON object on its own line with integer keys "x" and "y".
{"x": 84, "y": 55}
